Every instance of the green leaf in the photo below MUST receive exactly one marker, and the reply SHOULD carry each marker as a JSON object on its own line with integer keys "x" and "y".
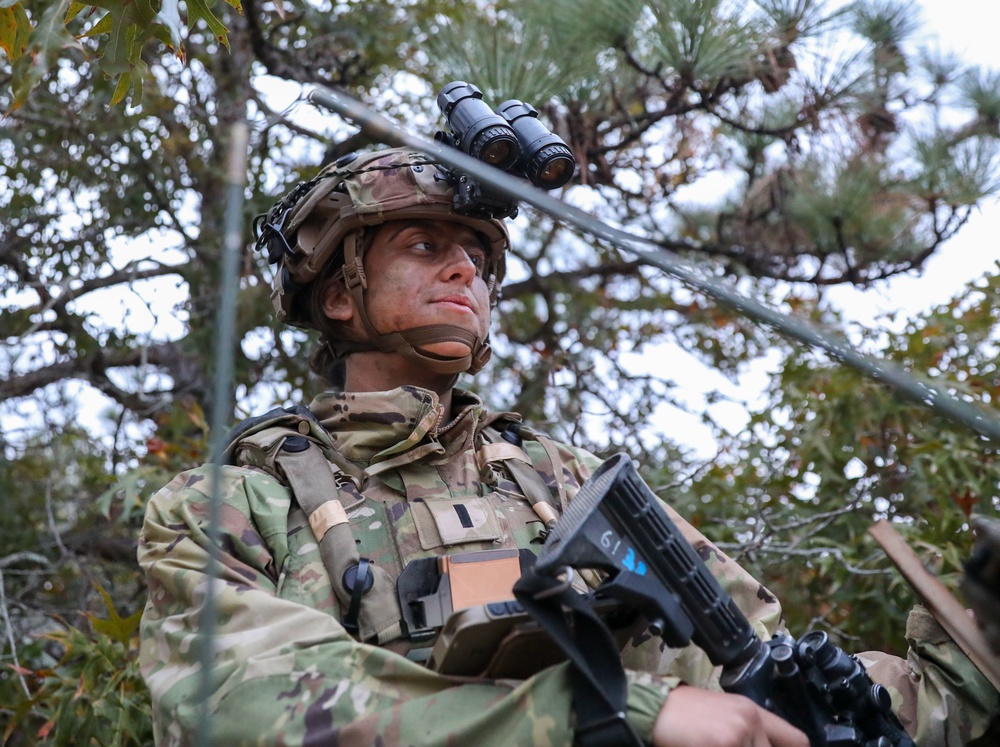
{"x": 21, "y": 712}
{"x": 118, "y": 55}
{"x": 74, "y": 10}
{"x": 202, "y": 10}
{"x": 128, "y": 25}
{"x": 122, "y": 88}
{"x": 15, "y": 29}
{"x": 47, "y": 41}
{"x": 118, "y": 628}
{"x": 103, "y": 26}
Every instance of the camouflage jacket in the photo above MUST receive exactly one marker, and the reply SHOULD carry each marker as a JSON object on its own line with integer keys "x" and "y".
{"x": 287, "y": 672}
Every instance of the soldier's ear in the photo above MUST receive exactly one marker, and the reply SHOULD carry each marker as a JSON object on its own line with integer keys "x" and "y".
{"x": 338, "y": 303}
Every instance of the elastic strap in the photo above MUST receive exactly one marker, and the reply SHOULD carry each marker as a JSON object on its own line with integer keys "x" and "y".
{"x": 327, "y": 516}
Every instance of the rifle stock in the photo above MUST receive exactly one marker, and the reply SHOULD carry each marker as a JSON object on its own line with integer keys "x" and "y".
{"x": 616, "y": 524}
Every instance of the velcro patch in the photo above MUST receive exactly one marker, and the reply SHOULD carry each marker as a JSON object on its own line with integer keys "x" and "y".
{"x": 447, "y": 521}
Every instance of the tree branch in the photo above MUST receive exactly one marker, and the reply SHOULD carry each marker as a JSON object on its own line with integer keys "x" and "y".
{"x": 539, "y": 283}
{"x": 93, "y": 369}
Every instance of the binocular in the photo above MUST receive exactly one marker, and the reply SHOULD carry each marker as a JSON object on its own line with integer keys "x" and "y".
{"x": 511, "y": 138}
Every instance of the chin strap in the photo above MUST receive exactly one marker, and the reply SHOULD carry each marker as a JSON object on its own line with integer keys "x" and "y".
{"x": 408, "y": 341}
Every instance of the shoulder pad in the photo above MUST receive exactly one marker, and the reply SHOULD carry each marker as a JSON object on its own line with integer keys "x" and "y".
{"x": 281, "y": 422}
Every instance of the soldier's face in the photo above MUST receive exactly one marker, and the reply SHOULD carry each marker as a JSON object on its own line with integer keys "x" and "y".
{"x": 427, "y": 272}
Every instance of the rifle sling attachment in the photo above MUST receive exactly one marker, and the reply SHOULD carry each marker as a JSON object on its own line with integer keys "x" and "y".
{"x": 600, "y": 689}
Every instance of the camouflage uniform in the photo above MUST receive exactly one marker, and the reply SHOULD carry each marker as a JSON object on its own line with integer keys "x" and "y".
{"x": 287, "y": 672}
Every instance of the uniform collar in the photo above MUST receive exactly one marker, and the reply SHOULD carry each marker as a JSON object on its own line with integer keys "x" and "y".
{"x": 372, "y": 427}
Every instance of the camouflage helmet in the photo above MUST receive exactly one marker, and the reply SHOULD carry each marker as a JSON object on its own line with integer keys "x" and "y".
{"x": 321, "y": 220}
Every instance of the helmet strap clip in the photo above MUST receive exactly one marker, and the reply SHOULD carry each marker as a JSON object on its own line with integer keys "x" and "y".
{"x": 354, "y": 274}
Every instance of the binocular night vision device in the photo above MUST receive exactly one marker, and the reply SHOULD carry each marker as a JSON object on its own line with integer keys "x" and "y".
{"x": 511, "y": 138}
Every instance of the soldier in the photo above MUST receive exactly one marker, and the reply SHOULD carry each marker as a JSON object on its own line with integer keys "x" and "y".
{"x": 324, "y": 510}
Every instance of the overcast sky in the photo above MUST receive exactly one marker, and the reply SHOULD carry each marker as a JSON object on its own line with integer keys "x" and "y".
{"x": 971, "y": 29}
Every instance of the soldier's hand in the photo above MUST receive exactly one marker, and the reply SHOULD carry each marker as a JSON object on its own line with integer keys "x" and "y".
{"x": 692, "y": 716}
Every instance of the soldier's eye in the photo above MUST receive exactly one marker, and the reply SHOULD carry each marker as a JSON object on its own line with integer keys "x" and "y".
{"x": 478, "y": 258}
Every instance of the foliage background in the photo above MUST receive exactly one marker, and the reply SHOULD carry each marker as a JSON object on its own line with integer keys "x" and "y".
{"x": 835, "y": 152}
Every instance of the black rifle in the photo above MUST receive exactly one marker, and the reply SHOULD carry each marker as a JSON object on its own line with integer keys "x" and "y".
{"x": 615, "y": 524}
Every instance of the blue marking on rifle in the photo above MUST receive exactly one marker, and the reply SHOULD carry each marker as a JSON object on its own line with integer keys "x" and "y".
{"x": 629, "y": 562}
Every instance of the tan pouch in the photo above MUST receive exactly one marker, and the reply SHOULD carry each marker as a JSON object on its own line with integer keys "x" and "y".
{"x": 500, "y": 640}
{"x": 481, "y": 577}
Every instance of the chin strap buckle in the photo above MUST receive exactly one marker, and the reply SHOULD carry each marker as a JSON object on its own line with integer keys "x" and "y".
{"x": 480, "y": 357}
{"x": 354, "y": 274}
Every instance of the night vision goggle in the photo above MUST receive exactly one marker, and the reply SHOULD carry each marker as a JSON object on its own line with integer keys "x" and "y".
{"x": 511, "y": 138}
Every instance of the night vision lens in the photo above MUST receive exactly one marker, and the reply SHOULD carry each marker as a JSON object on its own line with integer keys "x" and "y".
{"x": 545, "y": 159}
{"x": 552, "y": 167}
{"x": 495, "y": 147}
{"x": 479, "y": 131}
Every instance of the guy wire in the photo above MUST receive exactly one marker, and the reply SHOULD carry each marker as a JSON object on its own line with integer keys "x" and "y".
{"x": 222, "y": 411}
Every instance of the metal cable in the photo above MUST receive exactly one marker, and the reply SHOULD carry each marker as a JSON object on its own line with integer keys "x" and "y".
{"x": 222, "y": 410}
